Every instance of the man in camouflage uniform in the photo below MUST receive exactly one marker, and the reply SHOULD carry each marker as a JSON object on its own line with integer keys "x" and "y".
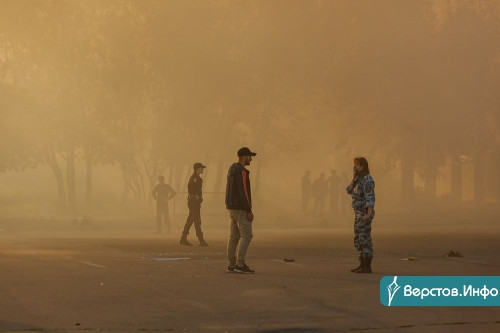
{"x": 195, "y": 198}
{"x": 362, "y": 190}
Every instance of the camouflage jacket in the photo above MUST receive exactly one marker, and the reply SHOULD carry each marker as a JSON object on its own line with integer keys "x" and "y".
{"x": 363, "y": 192}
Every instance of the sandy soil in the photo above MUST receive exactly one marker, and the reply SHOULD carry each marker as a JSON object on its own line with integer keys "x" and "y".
{"x": 112, "y": 281}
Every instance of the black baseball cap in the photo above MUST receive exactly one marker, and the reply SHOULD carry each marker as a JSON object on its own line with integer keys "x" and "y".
{"x": 245, "y": 151}
{"x": 198, "y": 165}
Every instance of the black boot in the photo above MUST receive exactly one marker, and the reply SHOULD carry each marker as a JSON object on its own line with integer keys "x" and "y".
{"x": 184, "y": 240}
{"x": 367, "y": 266}
{"x": 361, "y": 260}
{"x": 202, "y": 241}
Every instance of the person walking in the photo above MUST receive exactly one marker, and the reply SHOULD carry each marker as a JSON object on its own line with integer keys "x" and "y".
{"x": 194, "y": 200}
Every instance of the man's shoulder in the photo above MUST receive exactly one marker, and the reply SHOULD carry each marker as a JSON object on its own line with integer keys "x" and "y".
{"x": 195, "y": 178}
{"x": 236, "y": 168}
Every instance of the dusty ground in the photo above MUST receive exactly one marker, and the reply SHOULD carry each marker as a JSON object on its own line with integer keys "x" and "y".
{"x": 80, "y": 281}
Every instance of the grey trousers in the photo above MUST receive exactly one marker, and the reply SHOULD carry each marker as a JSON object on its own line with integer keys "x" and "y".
{"x": 363, "y": 233}
{"x": 239, "y": 238}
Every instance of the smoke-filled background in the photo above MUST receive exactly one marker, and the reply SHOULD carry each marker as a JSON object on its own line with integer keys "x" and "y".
{"x": 99, "y": 98}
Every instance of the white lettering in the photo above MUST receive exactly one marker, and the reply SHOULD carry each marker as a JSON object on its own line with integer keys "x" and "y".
{"x": 425, "y": 293}
{"x": 407, "y": 290}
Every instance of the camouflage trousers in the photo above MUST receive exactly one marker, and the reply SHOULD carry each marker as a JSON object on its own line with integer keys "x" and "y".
{"x": 363, "y": 233}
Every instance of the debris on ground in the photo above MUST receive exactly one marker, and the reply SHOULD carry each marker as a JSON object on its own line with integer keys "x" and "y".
{"x": 289, "y": 260}
{"x": 452, "y": 254}
{"x": 165, "y": 259}
{"x": 410, "y": 259}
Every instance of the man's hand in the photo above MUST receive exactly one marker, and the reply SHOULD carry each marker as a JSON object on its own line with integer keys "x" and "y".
{"x": 369, "y": 212}
{"x": 250, "y": 216}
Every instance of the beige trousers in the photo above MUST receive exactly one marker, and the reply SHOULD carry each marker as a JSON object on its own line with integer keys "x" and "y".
{"x": 239, "y": 238}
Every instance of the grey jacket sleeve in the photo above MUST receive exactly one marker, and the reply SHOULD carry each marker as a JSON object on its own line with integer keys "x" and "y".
{"x": 369, "y": 191}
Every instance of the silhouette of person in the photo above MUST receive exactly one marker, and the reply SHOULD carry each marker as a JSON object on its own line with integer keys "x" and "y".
{"x": 334, "y": 192}
{"x": 320, "y": 191}
{"x": 162, "y": 193}
{"x": 195, "y": 198}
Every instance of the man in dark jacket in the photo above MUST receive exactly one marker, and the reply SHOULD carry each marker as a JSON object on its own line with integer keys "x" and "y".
{"x": 239, "y": 206}
{"x": 195, "y": 198}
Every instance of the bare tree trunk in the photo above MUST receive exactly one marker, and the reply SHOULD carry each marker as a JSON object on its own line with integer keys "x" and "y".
{"x": 51, "y": 159}
{"x": 431, "y": 182}
{"x": 140, "y": 188}
{"x": 407, "y": 177}
{"x": 257, "y": 176}
{"x": 170, "y": 176}
{"x": 219, "y": 177}
{"x": 70, "y": 179}
{"x": 136, "y": 190}
{"x": 478, "y": 194}
{"x": 456, "y": 178}
{"x": 186, "y": 179}
{"x": 262, "y": 136}
{"x": 126, "y": 184}
{"x": 178, "y": 177}
{"x": 88, "y": 194}
{"x": 153, "y": 171}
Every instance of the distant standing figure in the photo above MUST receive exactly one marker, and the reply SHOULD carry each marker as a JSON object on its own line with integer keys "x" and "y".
{"x": 306, "y": 190}
{"x": 334, "y": 195}
{"x": 239, "y": 206}
{"x": 194, "y": 200}
{"x": 162, "y": 193}
{"x": 362, "y": 190}
{"x": 319, "y": 191}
